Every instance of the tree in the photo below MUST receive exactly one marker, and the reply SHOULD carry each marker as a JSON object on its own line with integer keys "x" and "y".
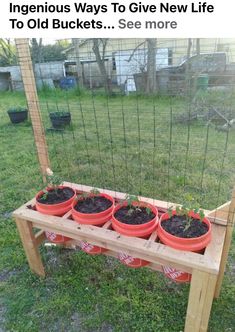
{"x": 46, "y": 53}
{"x": 55, "y": 52}
{"x": 151, "y": 66}
{"x": 78, "y": 63}
{"x": 36, "y": 50}
{"x": 198, "y": 46}
{"x": 99, "y": 48}
{"x": 187, "y": 69}
{"x": 191, "y": 80}
{"x": 7, "y": 53}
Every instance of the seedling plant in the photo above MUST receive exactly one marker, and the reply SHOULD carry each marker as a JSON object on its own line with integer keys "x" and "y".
{"x": 53, "y": 182}
{"x": 184, "y": 211}
{"x": 130, "y": 199}
{"x": 91, "y": 194}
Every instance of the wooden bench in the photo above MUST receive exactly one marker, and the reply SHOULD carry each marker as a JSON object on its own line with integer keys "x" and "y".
{"x": 207, "y": 269}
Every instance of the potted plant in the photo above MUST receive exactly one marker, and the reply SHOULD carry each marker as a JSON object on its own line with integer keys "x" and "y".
{"x": 92, "y": 208}
{"x": 134, "y": 218}
{"x": 60, "y": 119}
{"x": 184, "y": 228}
{"x": 55, "y": 200}
{"x": 17, "y": 114}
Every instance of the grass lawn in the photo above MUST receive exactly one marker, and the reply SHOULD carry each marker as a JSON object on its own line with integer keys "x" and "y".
{"x": 125, "y": 144}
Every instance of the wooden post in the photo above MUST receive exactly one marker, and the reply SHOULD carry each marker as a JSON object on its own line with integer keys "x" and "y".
{"x": 200, "y": 300}
{"x": 227, "y": 243}
{"x": 33, "y": 103}
{"x": 30, "y": 244}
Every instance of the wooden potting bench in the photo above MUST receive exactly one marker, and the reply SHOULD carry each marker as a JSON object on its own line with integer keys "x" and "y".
{"x": 207, "y": 269}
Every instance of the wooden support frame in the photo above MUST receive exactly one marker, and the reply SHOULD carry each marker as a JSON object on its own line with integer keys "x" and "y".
{"x": 207, "y": 269}
{"x": 226, "y": 211}
{"x": 30, "y": 243}
{"x": 200, "y": 300}
{"x": 27, "y": 72}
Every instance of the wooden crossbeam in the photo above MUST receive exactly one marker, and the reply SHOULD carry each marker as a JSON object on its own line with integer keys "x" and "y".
{"x": 146, "y": 249}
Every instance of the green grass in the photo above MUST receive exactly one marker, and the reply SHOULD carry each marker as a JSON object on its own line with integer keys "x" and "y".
{"x": 83, "y": 293}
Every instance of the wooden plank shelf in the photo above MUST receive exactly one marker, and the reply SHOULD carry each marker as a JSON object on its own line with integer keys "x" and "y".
{"x": 205, "y": 268}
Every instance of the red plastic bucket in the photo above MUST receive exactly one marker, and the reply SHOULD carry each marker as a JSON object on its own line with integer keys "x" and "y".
{"x": 197, "y": 244}
{"x": 131, "y": 261}
{"x": 95, "y": 219}
{"x": 55, "y": 210}
{"x": 92, "y": 249}
{"x": 56, "y": 238}
{"x": 142, "y": 231}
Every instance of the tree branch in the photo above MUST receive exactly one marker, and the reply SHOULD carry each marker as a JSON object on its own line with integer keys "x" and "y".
{"x": 135, "y": 49}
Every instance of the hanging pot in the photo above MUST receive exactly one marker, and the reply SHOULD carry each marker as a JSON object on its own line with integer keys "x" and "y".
{"x": 17, "y": 115}
{"x": 60, "y": 119}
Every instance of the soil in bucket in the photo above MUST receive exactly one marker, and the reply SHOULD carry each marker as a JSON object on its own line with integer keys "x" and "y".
{"x": 176, "y": 225}
{"x": 137, "y": 216}
{"x": 94, "y": 204}
{"x": 56, "y": 196}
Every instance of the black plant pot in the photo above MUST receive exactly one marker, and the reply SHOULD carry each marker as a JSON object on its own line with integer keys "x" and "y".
{"x": 60, "y": 119}
{"x": 18, "y": 116}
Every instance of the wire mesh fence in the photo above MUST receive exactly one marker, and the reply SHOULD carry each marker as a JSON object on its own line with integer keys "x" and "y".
{"x": 165, "y": 134}
{"x": 147, "y": 117}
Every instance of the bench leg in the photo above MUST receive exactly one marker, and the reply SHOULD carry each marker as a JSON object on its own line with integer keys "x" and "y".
{"x": 30, "y": 246}
{"x": 200, "y": 301}
{"x": 220, "y": 276}
{"x": 224, "y": 258}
